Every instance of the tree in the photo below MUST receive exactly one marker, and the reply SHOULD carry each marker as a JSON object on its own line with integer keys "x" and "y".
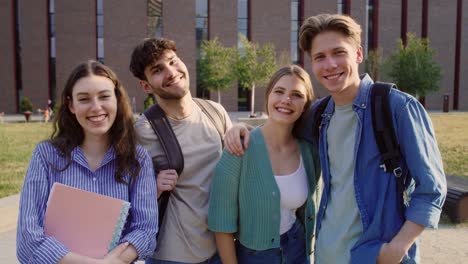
{"x": 413, "y": 67}
{"x": 255, "y": 64}
{"x": 26, "y": 104}
{"x": 149, "y": 101}
{"x": 215, "y": 66}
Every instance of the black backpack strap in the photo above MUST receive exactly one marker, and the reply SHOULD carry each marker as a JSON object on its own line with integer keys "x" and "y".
{"x": 382, "y": 122}
{"x": 384, "y": 132}
{"x": 169, "y": 143}
{"x": 217, "y": 118}
{"x": 317, "y": 118}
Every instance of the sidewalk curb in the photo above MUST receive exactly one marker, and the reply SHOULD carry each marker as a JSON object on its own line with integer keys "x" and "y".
{"x": 9, "y": 212}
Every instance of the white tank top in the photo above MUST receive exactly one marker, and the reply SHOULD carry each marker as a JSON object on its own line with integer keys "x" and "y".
{"x": 293, "y": 192}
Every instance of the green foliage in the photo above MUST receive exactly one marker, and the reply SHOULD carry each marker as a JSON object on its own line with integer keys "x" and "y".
{"x": 149, "y": 101}
{"x": 26, "y": 104}
{"x": 216, "y": 66}
{"x": 374, "y": 63}
{"x": 413, "y": 67}
{"x": 254, "y": 67}
{"x": 255, "y": 63}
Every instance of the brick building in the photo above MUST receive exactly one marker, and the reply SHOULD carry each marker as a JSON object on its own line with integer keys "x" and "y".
{"x": 42, "y": 40}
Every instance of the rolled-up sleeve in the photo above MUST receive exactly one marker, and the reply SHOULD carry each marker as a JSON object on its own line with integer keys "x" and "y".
{"x": 419, "y": 147}
{"x": 143, "y": 210}
{"x": 32, "y": 246}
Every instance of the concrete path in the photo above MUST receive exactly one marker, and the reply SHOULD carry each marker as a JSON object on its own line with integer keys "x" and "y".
{"x": 448, "y": 244}
{"x": 8, "y": 246}
{"x": 8, "y": 213}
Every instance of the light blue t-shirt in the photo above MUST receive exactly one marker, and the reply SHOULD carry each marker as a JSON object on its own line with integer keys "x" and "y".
{"x": 341, "y": 225}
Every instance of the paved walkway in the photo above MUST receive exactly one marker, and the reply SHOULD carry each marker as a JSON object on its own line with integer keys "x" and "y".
{"x": 448, "y": 244}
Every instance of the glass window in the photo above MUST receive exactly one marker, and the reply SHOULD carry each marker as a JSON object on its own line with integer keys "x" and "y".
{"x": 295, "y": 7}
{"x": 242, "y": 28}
{"x": 242, "y": 9}
{"x": 202, "y": 8}
{"x": 100, "y": 26}
{"x": 370, "y": 26}
{"x": 154, "y": 18}
{"x": 343, "y": 7}
{"x": 52, "y": 47}
{"x": 51, "y": 6}
{"x": 52, "y": 77}
{"x": 201, "y": 31}
{"x": 52, "y": 24}
{"x": 242, "y": 20}
{"x": 100, "y": 49}
{"x": 294, "y": 10}
{"x": 201, "y": 22}
{"x": 100, "y": 30}
{"x": 100, "y": 8}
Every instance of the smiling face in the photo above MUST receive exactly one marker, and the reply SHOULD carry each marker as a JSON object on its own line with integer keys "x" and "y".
{"x": 94, "y": 105}
{"x": 335, "y": 62}
{"x": 287, "y": 99}
{"x": 167, "y": 77}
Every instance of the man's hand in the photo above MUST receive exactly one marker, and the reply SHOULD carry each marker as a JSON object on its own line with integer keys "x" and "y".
{"x": 390, "y": 254}
{"x": 394, "y": 251}
{"x": 166, "y": 181}
{"x": 232, "y": 139}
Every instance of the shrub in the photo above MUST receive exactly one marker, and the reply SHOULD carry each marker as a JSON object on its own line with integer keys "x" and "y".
{"x": 26, "y": 104}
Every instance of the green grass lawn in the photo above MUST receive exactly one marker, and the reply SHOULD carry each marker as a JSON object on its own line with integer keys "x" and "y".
{"x": 18, "y": 140}
{"x": 452, "y": 136}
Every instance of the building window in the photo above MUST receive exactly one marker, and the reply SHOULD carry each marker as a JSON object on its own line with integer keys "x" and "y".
{"x": 154, "y": 24}
{"x": 243, "y": 28}
{"x": 201, "y": 29}
{"x": 243, "y": 19}
{"x": 201, "y": 21}
{"x": 100, "y": 30}
{"x": 52, "y": 79}
{"x": 52, "y": 28}
{"x": 370, "y": 26}
{"x": 295, "y": 24}
{"x": 343, "y": 7}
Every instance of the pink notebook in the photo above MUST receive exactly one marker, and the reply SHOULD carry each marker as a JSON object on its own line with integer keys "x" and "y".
{"x": 87, "y": 223}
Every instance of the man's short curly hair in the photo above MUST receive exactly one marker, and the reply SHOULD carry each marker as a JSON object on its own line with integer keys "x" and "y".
{"x": 147, "y": 52}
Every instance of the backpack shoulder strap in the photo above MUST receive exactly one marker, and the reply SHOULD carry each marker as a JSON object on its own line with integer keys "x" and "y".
{"x": 384, "y": 132}
{"x": 382, "y": 123}
{"x": 317, "y": 118}
{"x": 162, "y": 128}
{"x": 217, "y": 118}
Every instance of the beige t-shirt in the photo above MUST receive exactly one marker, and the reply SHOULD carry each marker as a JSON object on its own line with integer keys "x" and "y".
{"x": 184, "y": 234}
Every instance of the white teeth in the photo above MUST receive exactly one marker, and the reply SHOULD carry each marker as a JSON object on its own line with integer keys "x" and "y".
{"x": 283, "y": 110}
{"x": 97, "y": 118}
{"x": 331, "y": 77}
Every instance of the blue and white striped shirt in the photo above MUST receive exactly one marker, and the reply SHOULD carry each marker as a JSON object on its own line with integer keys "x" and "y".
{"x": 34, "y": 247}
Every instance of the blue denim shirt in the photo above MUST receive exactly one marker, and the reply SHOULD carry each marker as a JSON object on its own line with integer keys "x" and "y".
{"x": 375, "y": 190}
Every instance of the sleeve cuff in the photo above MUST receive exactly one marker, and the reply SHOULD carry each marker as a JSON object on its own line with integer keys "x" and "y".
{"x": 50, "y": 251}
{"x": 143, "y": 244}
{"x": 423, "y": 213}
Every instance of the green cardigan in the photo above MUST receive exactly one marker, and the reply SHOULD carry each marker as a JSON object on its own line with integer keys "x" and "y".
{"x": 245, "y": 198}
